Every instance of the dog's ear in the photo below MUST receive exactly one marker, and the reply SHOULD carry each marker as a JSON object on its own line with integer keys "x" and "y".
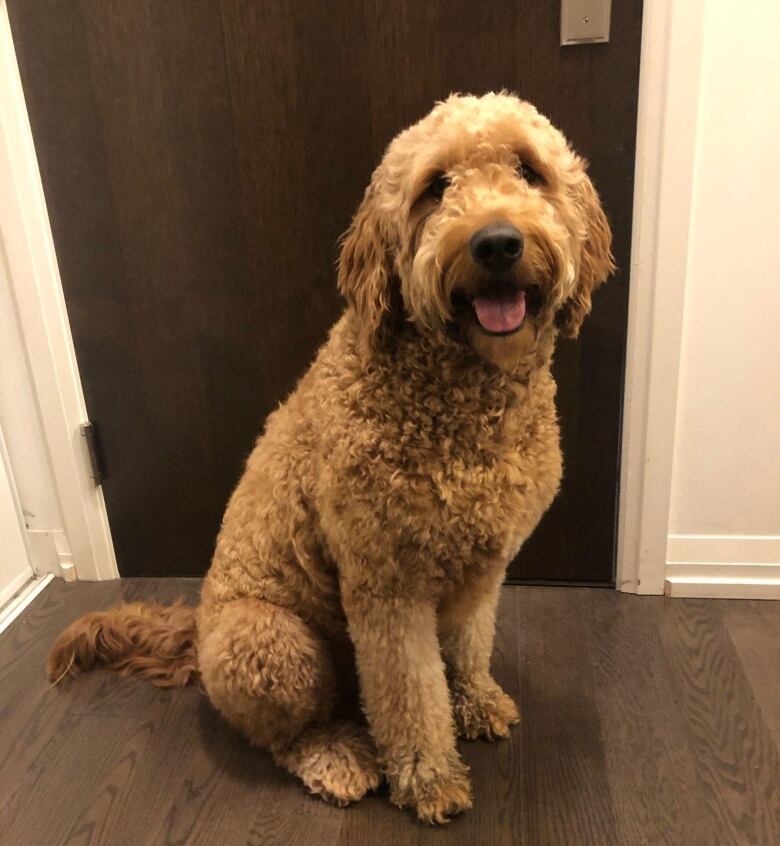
{"x": 365, "y": 268}
{"x": 596, "y": 262}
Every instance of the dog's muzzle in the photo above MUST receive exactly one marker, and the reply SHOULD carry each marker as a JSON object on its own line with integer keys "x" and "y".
{"x": 500, "y": 308}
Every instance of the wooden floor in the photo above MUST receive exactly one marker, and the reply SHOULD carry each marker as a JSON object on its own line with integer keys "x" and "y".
{"x": 646, "y": 721}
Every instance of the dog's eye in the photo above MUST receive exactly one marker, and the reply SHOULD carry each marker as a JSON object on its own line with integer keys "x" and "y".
{"x": 527, "y": 173}
{"x": 438, "y": 186}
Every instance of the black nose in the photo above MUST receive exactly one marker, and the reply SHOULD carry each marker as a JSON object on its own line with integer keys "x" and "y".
{"x": 496, "y": 246}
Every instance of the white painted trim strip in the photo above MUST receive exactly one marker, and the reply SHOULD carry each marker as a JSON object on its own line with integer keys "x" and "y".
{"x": 29, "y": 572}
{"x": 665, "y": 150}
{"x": 723, "y": 588}
{"x": 7, "y": 593}
{"x": 752, "y": 549}
{"x": 716, "y": 570}
{"x": 14, "y": 608}
{"x": 724, "y": 566}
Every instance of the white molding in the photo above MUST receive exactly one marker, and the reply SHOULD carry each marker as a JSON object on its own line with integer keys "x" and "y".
{"x": 724, "y": 566}
{"x": 14, "y": 543}
{"x": 14, "y": 608}
{"x": 708, "y": 571}
{"x": 722, "y": 587}
{"x": 43, "y": 319}
{"x": 15, "y": 586}
{"x": 49, "y": 550}
{"x": 665, "y": 155}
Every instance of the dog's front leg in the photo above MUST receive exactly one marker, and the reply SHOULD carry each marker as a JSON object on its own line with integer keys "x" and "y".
{"x": 407, "y": 703}
{"x": 467, "y": 626}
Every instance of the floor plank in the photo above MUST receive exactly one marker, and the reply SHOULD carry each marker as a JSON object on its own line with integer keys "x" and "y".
{"x": 566, "y": 796}
{"x": 30, "y": 710}
{"x": 736, "y": 757}
{"x": 652, "y": 769}
{"x": 646, "y": 721}
{"x": 756, "y": 636}
{"x": 76, "y": 781}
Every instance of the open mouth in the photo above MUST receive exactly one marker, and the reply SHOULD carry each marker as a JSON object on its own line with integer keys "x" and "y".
{"x": 500, "y": 310}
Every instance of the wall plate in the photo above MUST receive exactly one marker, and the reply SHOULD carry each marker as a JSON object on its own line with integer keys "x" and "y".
{"x": 585, "y": 21}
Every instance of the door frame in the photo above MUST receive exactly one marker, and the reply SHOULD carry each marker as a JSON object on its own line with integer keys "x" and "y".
{"x": 666, "y": 134}
{"x": 669, "y": 82}
{"x": 22, "y": 590}
{"x": 43, "y": 321}
{"x": 13, "y": 542}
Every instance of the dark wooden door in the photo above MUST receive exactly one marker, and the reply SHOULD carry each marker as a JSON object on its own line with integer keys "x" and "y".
{"x": 200, "y": 159}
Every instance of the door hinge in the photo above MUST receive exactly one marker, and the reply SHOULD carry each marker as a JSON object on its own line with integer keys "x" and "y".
{"x": 97, "y": 464}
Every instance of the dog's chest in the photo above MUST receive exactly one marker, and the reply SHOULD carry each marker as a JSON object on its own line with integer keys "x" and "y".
{"x": 487, "y": 498}
{"x": 461, "y": 477}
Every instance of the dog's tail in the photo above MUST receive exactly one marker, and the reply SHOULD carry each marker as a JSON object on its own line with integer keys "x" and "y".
{"x": 145, "y": 639}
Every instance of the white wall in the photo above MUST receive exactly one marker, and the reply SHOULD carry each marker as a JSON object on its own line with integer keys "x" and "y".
{"x": 726, "y": 469}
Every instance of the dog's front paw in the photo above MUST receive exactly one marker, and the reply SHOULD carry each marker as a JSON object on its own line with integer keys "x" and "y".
{"x": 483, "y": 710}
{"x": 436, "y": 796}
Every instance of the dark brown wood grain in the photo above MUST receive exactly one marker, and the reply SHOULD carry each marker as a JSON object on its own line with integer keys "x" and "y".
{"x": 30, "y": 712}
{"x": 754, "y": 628}
{"x": 643, "y": 725}
{"x": 200, "y": 159}
{"x": 646, "y": 748}
{"x": 282, "y": 817}
{"x": 736, "y": 757}
{"x": 566, "y": 792}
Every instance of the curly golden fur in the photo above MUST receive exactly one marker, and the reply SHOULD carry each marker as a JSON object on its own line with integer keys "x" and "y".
{"x": 365, "y": 545}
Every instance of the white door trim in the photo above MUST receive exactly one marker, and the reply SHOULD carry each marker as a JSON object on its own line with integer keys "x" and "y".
{"x": 22, "y": 600}
{"x": 665, "y": 152}
{"x": 37, "y": 289}
{"x": 16, "y": 565}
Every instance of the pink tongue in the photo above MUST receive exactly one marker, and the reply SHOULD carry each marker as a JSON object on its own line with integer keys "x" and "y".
{"x": 501, "y": 314}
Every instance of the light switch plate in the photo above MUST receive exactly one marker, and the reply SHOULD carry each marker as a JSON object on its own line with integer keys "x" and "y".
{"x": 585, "y": 21}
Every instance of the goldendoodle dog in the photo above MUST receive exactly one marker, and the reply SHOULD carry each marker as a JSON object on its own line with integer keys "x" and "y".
{"x": 347, "y": 620}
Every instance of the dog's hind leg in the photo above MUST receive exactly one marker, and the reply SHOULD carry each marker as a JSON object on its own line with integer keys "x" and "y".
{"x": 273, "y": 678}
{"x": 265, "y": 670}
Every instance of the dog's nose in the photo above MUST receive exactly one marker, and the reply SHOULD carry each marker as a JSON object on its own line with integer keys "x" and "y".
{"x": 496, "y": 246}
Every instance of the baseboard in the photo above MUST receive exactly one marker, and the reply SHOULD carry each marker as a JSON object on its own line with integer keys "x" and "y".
{"x": 723, "y": 566}
{"x": 15, "y": 586}
{"x": 23, "y": 598}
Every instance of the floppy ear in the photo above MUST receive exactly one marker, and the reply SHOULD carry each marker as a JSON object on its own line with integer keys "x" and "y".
{"x": 596, "y": 263}
{"x": 365, "y": 269}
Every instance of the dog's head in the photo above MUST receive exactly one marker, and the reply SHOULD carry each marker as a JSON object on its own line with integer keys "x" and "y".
{"x": 482, "y": 219}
